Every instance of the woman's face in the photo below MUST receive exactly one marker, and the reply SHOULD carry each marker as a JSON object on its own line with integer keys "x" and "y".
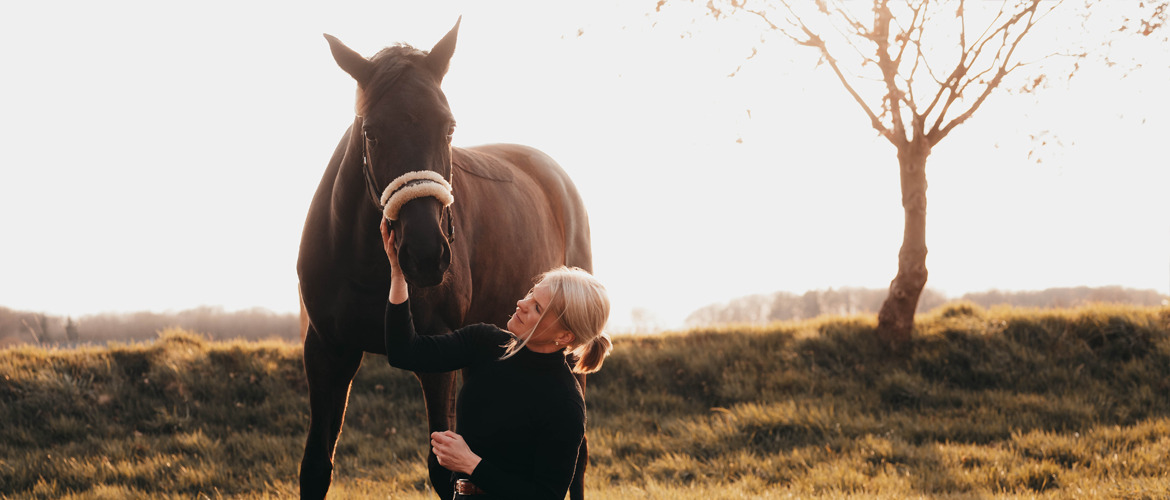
{"x": 528, "y": 311}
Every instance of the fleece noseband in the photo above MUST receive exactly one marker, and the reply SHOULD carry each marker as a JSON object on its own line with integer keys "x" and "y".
{"x": 413, "y": 185}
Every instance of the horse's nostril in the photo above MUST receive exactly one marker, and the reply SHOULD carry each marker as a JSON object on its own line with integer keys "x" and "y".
{"x": 445, "y": 258}
{"x": 426, "y": 268}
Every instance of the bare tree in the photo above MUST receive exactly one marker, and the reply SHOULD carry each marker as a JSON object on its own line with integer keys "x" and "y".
{"x": 918, "y": 69}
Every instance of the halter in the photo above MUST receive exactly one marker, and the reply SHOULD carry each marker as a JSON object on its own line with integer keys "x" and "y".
{"x": 411, "y": 185}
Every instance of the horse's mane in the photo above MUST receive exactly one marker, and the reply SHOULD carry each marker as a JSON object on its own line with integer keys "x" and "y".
{"x": 389, "y": 64}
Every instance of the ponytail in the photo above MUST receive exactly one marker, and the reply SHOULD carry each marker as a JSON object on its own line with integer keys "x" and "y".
{"x": 591, "y": 355}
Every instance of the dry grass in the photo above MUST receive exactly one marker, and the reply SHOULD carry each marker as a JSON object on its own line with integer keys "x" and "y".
{"x": 1005, "y": 403}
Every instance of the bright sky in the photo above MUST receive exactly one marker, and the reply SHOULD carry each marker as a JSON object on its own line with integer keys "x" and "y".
{"x": 161, "y": 155}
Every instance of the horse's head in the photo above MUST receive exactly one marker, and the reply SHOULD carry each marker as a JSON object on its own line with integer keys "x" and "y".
{"x": 406, "y": 127}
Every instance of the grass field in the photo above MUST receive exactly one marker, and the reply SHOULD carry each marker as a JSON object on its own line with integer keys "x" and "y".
{"x": 1004, "y": 403}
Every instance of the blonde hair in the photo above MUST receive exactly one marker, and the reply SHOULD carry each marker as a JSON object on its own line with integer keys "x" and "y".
{"x": 581, "y": 304}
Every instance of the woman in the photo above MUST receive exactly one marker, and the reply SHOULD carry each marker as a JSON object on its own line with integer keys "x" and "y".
{"x": 520, "y": 415}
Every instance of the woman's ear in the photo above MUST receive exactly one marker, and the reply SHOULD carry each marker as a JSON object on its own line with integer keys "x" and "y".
{"x": 566, "y": 338}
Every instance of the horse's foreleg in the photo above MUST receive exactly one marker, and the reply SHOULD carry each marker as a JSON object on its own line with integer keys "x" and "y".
{"x": 577, "y": 487}
{"x": 439, "y": 395}
{"x": 330, "y": 372}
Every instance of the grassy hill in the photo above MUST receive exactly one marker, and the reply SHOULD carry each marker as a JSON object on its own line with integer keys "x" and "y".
{"x": 1000, "y": 403}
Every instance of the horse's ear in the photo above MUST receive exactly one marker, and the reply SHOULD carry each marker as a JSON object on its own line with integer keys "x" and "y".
{"x": 439, "y": 58}
{"x": 349, "y": 60}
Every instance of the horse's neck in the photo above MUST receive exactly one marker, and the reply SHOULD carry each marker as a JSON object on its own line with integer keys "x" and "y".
{"x": 354, "y": 218}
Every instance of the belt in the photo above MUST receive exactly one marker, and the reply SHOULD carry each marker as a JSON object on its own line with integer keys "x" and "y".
{"x": 466, "y": 488}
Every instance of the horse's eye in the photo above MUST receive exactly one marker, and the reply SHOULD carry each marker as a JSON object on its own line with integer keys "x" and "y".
{"x": 369, "y": 137}
{"x": 450, "y": 133}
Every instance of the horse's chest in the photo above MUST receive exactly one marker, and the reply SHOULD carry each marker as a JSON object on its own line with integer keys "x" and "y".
{"x": 347, "y": 316}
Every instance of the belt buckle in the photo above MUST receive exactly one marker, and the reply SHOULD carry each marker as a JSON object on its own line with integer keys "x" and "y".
{"x": 465, "y": 487}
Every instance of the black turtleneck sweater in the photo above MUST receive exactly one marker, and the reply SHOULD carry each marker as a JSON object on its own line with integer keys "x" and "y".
{"x": 524, "y": 416}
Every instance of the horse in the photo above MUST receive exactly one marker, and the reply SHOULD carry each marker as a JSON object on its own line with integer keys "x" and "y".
{"x": 473, "y": 227}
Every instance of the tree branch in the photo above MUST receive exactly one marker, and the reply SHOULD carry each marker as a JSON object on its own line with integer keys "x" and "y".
{"x": 894, "y": 96}
{"x": 1001, "y": 59}
{"x": 875, "y": 122}
{"x": 813, "y": 40}
{"x": 907, "y": 37}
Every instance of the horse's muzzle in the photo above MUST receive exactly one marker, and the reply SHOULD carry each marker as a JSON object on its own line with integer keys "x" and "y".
{"x": 424, "y": 251}
{"x": 428, "y": 269}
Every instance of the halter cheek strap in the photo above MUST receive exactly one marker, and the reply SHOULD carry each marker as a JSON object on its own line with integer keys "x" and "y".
{"x": 413, "y": 185}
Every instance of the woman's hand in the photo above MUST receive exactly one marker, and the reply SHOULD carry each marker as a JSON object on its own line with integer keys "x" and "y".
{"x": 453, "y": 453}
{"x": 399, "y": 292}
{"x": 388, "y": 245}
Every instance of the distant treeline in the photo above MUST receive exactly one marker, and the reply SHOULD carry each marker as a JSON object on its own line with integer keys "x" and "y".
{"x": 214, "y": 322}
{"x": 781, "y": 306}
{"x": 217, "y": 324}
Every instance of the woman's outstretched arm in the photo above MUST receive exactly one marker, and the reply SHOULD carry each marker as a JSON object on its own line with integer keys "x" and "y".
{"x": 408, "y": 350}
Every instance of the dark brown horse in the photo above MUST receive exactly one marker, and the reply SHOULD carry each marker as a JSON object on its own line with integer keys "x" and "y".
{"x": 515, "y": 214}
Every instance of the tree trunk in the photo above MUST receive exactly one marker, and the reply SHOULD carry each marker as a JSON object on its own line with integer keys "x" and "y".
{"x": 896, "y": 317}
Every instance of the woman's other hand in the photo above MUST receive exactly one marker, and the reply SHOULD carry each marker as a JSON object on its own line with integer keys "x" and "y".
{"x": 453, "y": 453}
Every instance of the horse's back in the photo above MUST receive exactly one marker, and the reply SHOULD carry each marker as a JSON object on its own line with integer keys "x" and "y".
{"x": 518, "y": 214}
{"x": 505, "y": 162}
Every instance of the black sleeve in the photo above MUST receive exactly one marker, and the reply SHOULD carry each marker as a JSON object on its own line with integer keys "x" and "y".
{"x": 555, "y": 458}
{"x": 408, "y": 350}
